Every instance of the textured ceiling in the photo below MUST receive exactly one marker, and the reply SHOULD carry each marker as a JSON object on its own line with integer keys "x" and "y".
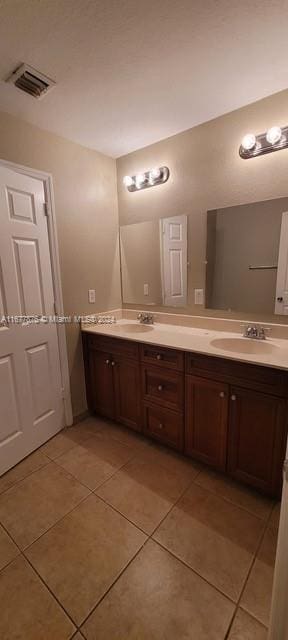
{"x": 130, "y": 73}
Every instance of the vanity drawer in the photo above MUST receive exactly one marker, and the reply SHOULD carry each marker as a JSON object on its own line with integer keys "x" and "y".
{"x": 251, "y": 376}
{"x": 160, "y": 356}
{"x": 164, "y": 425}
{"x": 166, "y": 388}
{"x": 115, "y": 346}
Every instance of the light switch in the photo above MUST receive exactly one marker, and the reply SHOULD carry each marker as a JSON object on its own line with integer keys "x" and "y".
{"x": 146, "y": 289}
{"x": 199, "y": 296}
{"x": 91, "y": 296}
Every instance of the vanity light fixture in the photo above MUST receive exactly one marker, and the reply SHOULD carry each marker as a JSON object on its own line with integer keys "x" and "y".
{"x": 150, "y": 178}
{"x": 272, "y": 140}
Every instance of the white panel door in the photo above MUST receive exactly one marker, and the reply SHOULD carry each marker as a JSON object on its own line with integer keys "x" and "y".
{"x": 174, "y": 260}
{"x": 31, "y": 405}
{"x": 281, "y": 302}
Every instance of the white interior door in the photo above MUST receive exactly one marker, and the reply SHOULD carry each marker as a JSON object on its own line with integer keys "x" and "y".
{"x": 174, "y": 260}
{"x": 281, "y": 302}
{"x": 31, "y": 405}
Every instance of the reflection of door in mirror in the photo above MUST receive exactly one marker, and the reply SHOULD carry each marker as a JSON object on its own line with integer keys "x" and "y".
{"x": 174, "y": 260}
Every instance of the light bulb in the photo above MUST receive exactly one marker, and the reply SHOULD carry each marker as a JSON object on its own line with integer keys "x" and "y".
{"x": 128, "y": 181}
{"x": 154, "y": 175}
{"x": 140, "y": 179}
{"x": 249, "y": 141}
{"x": 274, "y": 135}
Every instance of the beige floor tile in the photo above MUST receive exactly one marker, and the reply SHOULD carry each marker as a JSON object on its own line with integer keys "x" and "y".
{"x": 32, "y": 463}
{"x": 158, "y": 598}
{"x": 256, "y": 598}
{"x": 236, "y": 493}
{"x": 81, "y": 556}
{"x": 31, "y": 507}
{"x": 171, "y": 460}
{"x": 28, "y": 610}
{"x": 78, "y": 636}
{"x": 8, "y": 550}
{"x": 275, "y": 516}
{"x": 96, "y": 459}
{"x": 126, "y": 436}
{"x": 69, "y": 437}
{"x": 144, "y": 492}
{"x": 245, "y": 627}
{"x": 214, "y": 537}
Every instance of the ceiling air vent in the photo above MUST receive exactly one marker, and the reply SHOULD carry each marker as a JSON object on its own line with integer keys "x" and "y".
{"x": 31, "y": 81}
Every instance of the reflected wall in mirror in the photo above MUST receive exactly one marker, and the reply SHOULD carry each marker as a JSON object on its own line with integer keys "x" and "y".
{"x": 245, "y": 270}
{"x": 154, "y": 262}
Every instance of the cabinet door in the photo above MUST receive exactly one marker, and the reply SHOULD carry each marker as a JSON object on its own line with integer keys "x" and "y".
{"x": 127, "y": 392}
{"x": 256, "y": 439}
{"x": 206, "y": 421}
{"x": 101, "y": 387}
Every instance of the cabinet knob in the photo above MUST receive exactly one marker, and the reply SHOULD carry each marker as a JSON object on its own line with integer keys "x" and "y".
{"x": 233, "y": 397}
{"x": 160, "y": 387}
{"x": 222, "y": 394}
{"x": 160, "y": 425}
{"x": 107, "y": 361}
{"x": 158, "y": 357}
{"x": 113, "y": 363}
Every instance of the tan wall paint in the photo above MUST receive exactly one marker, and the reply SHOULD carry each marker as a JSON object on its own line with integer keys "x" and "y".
{"x": 87, "y": 223}
{"x": 207, "y": 173}
{"x": 140, "y": 262}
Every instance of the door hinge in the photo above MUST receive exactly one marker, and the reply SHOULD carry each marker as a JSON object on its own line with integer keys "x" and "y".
{"x": 46, "y": 209}
{"x": 63, "y": 393}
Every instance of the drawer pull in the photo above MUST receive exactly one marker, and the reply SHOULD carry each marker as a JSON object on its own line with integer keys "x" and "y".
{"x": 160, "y": 425}
{"x": 159, "y": 357}
{"x": 233, "y": 398}
{"x": 160, "y": 387}
{"x": 107, "y": 361}
{"x": 221, "y": 394}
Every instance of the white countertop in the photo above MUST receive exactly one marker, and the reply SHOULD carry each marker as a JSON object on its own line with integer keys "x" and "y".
{"x": 275, "y": 351}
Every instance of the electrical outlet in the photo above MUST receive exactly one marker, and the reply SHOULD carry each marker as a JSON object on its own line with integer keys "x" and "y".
{"x": 91, "y": 296}
{"x": 199, "y": 296}
{"x": 146, "y": 289}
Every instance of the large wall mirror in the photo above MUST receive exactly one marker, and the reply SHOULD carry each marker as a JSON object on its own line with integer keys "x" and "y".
{"x": 154, "y": 262}
{"x": 246, "y": 261}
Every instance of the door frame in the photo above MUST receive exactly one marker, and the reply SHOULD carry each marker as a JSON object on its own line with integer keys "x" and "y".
{"x": 47, "y": 180}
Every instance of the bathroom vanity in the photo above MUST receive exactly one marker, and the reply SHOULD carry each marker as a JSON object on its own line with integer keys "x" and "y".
{"x": 229, "y": 413}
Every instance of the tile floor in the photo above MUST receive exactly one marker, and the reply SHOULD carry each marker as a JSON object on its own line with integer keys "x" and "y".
{"x": 104, "y": 535}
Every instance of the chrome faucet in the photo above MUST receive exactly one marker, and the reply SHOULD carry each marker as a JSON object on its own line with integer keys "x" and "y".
{"x": 255, "y": 331}
{"x": 146, "y": 318}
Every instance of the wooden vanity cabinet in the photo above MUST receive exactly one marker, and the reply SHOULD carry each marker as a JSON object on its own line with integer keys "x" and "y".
{"x": 228, "y": 414}
{"x": 112, "y": 372}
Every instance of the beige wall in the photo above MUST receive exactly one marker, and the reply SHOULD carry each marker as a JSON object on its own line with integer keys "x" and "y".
{"x": 87, "y": 222}
{"x": 207, "y": 173}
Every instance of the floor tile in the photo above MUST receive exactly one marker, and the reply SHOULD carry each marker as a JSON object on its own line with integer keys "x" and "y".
{"x": 81, "y": 556}
{"x": 236, "y": 493}
{"x": 8, "y": 550}
{"x": 214, "y": 537}
{"x": 32, "y": 463}
{"x": 256, "y": 598}
{"x": 31, "y": 507}
{"x": 126, "y": 436}
{"x": 245, "y": 627}
{"x": 28, "y": 610}
{"x": 144, "y": 492}
{"x": 69, "y": 437}
{"x": 275, "y": 516}
{"x": 158, "y": 598}
{"x": 78, "y": 636}
{"x": 95, "y": 460}
{"x": 169, "y": 459}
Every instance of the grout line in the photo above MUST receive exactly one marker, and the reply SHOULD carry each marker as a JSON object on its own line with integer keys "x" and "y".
{"x": 31, "y": 473}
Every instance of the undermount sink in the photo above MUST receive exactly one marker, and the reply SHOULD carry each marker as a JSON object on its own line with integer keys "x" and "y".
{"x": 132, "y": 328}
{"x": 243, "y": 345}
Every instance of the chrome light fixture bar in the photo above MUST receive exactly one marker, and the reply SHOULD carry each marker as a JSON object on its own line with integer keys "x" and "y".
{"x": 274, "y": 139}
{"x": 148, "y": 179}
